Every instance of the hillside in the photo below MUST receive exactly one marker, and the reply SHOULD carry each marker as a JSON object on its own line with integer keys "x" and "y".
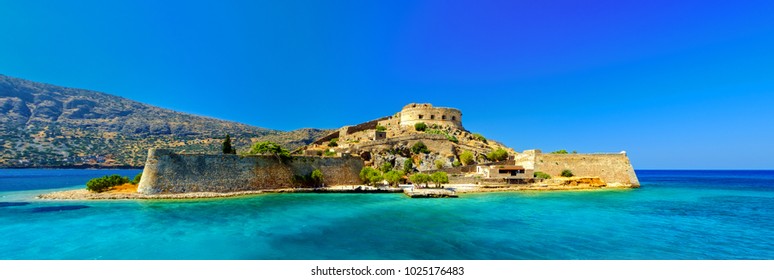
{"x": 393, "y": 140}
{"x": 43, "y": 125}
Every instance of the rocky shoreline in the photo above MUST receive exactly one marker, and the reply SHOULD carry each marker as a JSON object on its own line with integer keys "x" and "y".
{"x": 83, "y": 194}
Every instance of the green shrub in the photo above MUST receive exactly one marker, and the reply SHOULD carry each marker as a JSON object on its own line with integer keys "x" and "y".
{"x": 386, "y": 166}
{"x": 497, "y": 155}
{"x": 329, "y": 153}
{"x": 137, "y": 178}
{"x": 104, "y": 183}
{"x": 542, "y": 175}
{"x": 270, "y": 148}
{"x": 317, "y": 177}
{"x": 381, "y": 128}
{"x": 420, "y": 147}
{"x": 567, "y": 173}
{"x": 420, "y": 178}
{"x": 444, "y": 133}
{"x": 370, "y": 176}
{"x": 439, "y": 178}
{"x": 479, "y": 137}
{"x": 560, "y": 152}
{"x": 408, "y": 166}
{"x": 393, "y": 177}
{"x": 420, "y": 126}
{"x": 456, "y": 163}
{"x": 334, "y": 142}
{"x": 467, "y": 158}
{"x": 439, "y": 163}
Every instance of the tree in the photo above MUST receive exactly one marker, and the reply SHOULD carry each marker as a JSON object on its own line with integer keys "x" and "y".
{"x": 420, "y": 178}
{"x": 567, "y": 173}
{"x": 497, "y": 155}
{"x": 419, "y": 147}
{"x": 381, "y": 128}
{"x": 269, "y": 148}
{"x": 104, "y": 183}
{"x": 408, "y": 166}
{"x": 439, "y": 163}
{"x": 456, "y": 163}
{"x": 317, "y": 177}
{"x": 227, "y": 148}
{"x": 439, "y": 178}
{"x": 560, "y": 152}
{"x": 386, "y": 166}
{"x": 467, "y": 158}
{"x": 334, "y": 142}
{"x": 137, "y": 178}
{"x": 393, "y": 177}
{"x": 420, "y": 126}
{"x": 370, "y": 176}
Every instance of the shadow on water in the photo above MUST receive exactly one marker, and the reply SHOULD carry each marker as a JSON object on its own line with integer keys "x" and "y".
{"x": 12, "y": 204}
{"x": 57, "y": 208}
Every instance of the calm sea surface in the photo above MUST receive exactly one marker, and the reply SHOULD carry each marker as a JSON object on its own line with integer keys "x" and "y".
{"x": 675, "y": 215}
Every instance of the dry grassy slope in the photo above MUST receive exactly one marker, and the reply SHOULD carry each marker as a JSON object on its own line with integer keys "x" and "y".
{"x": 47, "y": 125}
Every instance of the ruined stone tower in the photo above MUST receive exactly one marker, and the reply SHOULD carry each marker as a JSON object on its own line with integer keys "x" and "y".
{"x": 426, "y": 113}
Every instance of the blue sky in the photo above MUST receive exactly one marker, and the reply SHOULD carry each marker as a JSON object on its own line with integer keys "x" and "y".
{"x": 677, "y": 84}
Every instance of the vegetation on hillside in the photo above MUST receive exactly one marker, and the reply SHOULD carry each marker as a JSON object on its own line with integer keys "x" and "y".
{"x": 408, "y": 166}
{"x": 479, "y": 137}
{"x": 52, "y": 126}
{"x": 567, "y": 173}
{"x": 467, "y": 158}
{"x": 419, "y": 147}
{"x": 497, "y": 155}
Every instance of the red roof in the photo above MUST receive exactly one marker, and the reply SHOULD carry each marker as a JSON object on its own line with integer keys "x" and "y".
{"x": 511, "y": 167}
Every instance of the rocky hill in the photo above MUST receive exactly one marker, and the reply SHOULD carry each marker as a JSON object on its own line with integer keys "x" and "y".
{"x": 398, "y": 139}
{"x": 43, "y": 125}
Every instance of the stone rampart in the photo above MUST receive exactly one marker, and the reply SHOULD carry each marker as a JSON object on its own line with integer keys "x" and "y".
{"x": 612, "y": 168}
{"x": 168, "y": 172}
{"x": 426, "y": 113}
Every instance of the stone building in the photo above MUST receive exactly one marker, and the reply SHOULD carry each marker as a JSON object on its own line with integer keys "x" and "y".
{"x": 504, "y": 172}
{"x": 426, "y": 113}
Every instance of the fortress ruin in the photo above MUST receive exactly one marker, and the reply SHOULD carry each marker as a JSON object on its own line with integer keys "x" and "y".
{"x": 425, "y": 112}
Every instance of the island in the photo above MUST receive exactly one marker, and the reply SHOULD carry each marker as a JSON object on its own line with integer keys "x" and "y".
{"x": 398, "y": 153}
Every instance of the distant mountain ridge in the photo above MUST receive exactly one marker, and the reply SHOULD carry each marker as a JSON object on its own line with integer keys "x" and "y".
{"x": 43, "y": 125}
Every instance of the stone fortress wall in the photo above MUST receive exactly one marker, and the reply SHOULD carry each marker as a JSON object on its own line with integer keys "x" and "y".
{"x": 426, "y": 113}
{"x": 168, "y": 172}
{"x": 611, "y": 168}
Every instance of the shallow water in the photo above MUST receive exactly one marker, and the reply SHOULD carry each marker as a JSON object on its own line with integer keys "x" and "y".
{"x": 675, "y": 215}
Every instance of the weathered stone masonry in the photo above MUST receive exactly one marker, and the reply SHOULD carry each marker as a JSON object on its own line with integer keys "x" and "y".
{"x": 611, "y": 168}
{"x": 168, "y": 172}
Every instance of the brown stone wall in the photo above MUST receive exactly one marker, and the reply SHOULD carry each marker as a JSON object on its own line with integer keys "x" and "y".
{"x": 168, "y": 172}
{"x": 612, "y": 168}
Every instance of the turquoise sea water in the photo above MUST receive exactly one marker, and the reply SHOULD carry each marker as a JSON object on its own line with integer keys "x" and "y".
{"x": 675, "y": 215}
